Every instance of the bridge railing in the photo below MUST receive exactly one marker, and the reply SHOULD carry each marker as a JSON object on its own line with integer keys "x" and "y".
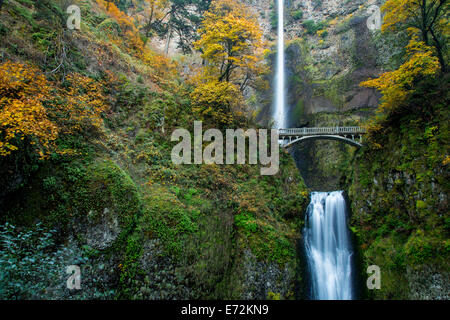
{"x": 321, "y": 130}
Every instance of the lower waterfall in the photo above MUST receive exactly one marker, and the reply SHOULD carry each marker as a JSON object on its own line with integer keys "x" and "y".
{"x": 328, "y": 247}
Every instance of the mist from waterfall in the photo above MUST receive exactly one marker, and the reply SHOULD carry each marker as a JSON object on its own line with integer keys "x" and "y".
{"x": 279, "y": 105}
{"x": 328, "y": 247}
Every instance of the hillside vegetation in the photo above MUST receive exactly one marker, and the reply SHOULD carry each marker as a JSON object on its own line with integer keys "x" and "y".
{"x": 87, "y": 178}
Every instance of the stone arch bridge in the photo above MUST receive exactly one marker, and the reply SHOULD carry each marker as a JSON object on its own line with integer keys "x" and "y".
{"x": 349, "y": 135}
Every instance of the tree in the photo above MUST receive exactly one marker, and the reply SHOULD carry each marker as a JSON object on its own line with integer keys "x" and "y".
{"x": 231, "y": 43}
{"x": 22, "y": 113}
{"x": 78, "y": 105}
{"x": 33, "y": 111}
{"x": 398, "y": 84}
{"x": 155, "y": 12}
{"x": 425, "y": 18}
{"x": 182, "y": 17}
{"x": 217, "y": 101}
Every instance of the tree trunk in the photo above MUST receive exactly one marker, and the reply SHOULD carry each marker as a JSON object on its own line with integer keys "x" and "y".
{"x": 438, "y": 47}
{"x": 424, "y": 27}
{"x": 166, "y": 49}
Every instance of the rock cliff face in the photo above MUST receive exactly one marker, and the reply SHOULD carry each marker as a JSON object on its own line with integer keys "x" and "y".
{"x": 399, "y": 200}
{"x": 329, "y": 51}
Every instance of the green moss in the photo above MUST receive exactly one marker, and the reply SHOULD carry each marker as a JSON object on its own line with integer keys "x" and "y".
{"x": 421, "y": 248}
{"x": 297, "y": 14}
{"x": 168, "y": 219}
{"x": 130, "y": 268}
{"x": 110, "y": 186}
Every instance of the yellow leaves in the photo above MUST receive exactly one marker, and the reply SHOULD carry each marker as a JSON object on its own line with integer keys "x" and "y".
{"x": 216, "y": 100}
{"x": 231, "y": 43}
{"x": 30, "y": 111}
{"x": 22, "y": 89}
{"x": 396, "y": 12}
{"x": 446, "y": 160}
{"x": 373, "y": 129}
{"x": 396, "y": 85}
{"x": 230, "y": 35}
{"x": 164, "y": 68}
{"x": 79, "y": 104}
{"x": 417, "y": 17}
{"x": 321, "y": 32}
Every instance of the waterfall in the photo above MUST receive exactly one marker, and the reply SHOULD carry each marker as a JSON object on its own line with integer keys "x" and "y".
{"x": 328, "y": 247}
{"x": 278, "y": 113}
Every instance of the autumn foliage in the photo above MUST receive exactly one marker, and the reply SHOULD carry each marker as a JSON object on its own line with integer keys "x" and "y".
{"x": 425, "y": 19}
{"x": 78, "y": 105}
{"x": 231, "y": 44}
{"x": 216, "y": 100}
{"x": 34, "y": 110}
{"x": 398, "y": 84}
{"x": 22, "y": 113}
{"x": 425, "y": 25}
{"x": 230, "y": 41}
{"x": 131, "y": 41}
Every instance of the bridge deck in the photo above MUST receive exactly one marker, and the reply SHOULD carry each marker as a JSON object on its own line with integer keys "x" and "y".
{"x": 320, "y": 131}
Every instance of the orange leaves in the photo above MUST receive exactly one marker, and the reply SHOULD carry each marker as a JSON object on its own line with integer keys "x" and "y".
{"x": 163, "y": 67}
{"x": 35, "y": 110}
{"x": 129, "y": 39}
{"x": 126, "y": 22}
{"x": 397, "y": 85}
{"x": 22, "y": 114}
{"x": 79, "y": 104}
{"x": 127, "y": 26}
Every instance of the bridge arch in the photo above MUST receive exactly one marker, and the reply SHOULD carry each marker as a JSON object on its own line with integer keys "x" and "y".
{"x": 324, "y": 137}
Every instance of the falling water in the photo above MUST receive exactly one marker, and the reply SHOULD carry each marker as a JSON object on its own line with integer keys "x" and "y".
{"x": 328, "y": 247}
{"x": 278, "y": 114}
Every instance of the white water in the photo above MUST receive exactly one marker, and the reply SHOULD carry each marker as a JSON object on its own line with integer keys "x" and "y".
{"x": 328, "y": 247}
{"x": 279, "y": 110}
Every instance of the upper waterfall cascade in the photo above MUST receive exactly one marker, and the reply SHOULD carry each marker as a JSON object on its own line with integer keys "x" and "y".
{"x": 279, "y": 107}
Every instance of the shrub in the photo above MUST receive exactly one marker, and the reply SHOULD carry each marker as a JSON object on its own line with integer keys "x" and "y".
{"x": 273, "y": 19}
{"x": 312, "y": 27}
{"x": 419, "y": 248}
{"x": 30, "y": 262}
{"x": 297, "y": 14}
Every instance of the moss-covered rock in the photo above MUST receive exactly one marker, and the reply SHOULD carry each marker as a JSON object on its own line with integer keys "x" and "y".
{"x": 399, "y": 199}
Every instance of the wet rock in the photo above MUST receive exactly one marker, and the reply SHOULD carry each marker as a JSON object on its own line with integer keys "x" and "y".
{"x": 262, "y": 278}
{"x": 101, "y": 233}
{"x": 428, "y": 284}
